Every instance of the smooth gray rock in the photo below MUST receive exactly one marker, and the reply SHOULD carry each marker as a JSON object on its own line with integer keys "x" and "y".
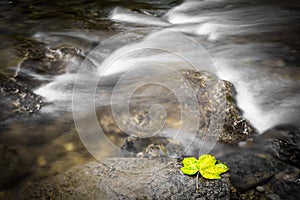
{"x": 127, "y": 178}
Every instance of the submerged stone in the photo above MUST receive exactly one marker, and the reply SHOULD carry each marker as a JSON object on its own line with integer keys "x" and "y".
{"x": 11, "y": 171}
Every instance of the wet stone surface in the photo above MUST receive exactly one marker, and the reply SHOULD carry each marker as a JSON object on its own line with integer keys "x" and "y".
{"x": 248, "y": 169}
{"x": 219, "y": 117}
{"x": 283, "y": 142}
{"x": 128, "y": 178}
{"x": 16, "y": 98}
{"x": 41, "y": 62}
{"x": 265, "y": 170}
{"x": 288, "y": 189}
{"x": 235, "y": 128}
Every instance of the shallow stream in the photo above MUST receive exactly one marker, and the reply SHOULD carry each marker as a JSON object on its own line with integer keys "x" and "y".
{"x": 253, "y": 44}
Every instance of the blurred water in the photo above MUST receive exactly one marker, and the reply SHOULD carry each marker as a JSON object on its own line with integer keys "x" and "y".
{"x": 245, "y": 43}
{"x": 253, "y": 44}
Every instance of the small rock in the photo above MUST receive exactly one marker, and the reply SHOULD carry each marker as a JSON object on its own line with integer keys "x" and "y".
{"x": 69, "y": 146}
{"x": 42, "y": 162}
{"x": 273, "y": 197}
{"x": 260, "y": 189}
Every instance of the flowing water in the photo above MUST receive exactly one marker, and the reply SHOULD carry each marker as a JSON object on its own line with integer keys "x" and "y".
{"x": 253, "y": 44}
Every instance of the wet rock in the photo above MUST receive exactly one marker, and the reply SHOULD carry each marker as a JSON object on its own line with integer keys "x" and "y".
{"x": 283, "y": 142}
{"x": 32, "y": 50}
{"x": 288, "y": 190}
{"x": 248, "y": 169}
{"x": 51, "y": 62}
{"x": 260, "y": 189}
{"x": 127, "y": 178}
{"x": 27, "y": 47}
{"x": 38, "y": 59}
{"x": 235, "y": 128}
{"x": 273, "y": 197}
{"x": 281, "y": 177}
{"x": 17, "y": 99}
{"x": 219, "y": 118}
{"x": 29, "y": 81}
{"x": 153, "y": 147}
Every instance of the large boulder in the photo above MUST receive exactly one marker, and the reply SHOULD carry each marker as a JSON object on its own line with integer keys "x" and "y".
{"x": 219, "y": 117}
{"x": 127, "y": 178}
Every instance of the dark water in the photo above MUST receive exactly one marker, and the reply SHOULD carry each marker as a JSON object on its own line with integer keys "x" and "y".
{"x": 253, "y": 44}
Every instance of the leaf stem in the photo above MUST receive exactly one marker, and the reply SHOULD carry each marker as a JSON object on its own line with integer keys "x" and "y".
{"x": 197, "y": 182}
